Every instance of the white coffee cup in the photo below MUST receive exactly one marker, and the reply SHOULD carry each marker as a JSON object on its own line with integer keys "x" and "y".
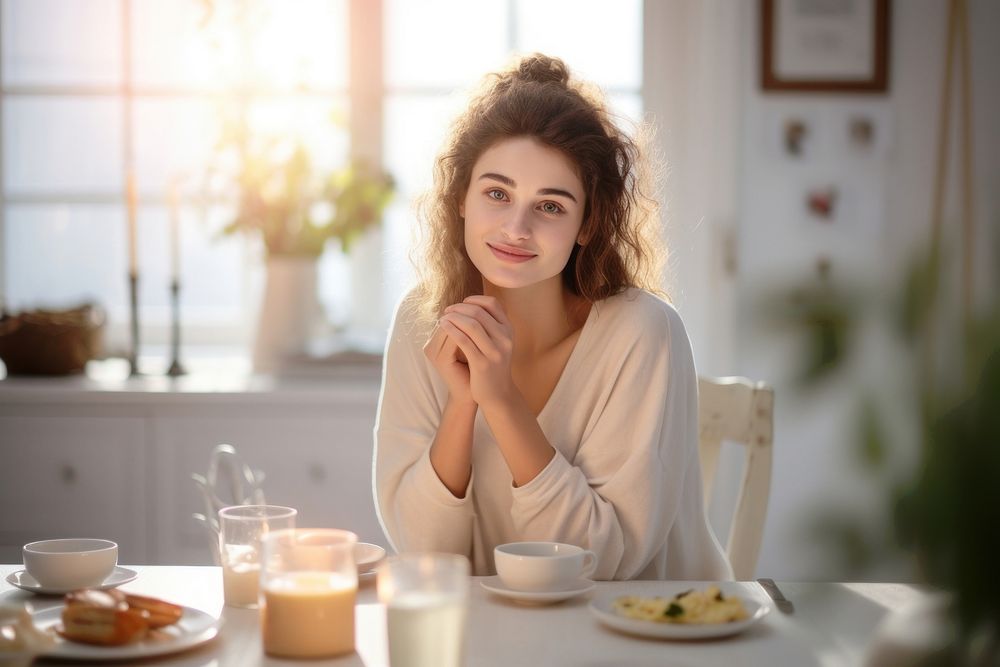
{"x": 70, "y": 563}
{"x": 540, "y": 566}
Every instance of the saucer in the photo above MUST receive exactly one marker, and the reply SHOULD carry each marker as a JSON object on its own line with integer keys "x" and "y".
{"x": 21, "y": 579}
{"x": 367, "y": 557}
{"x": 574, "y": 588}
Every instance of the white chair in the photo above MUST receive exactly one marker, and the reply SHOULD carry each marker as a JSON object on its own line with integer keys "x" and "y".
{"x": 741, "y": 411}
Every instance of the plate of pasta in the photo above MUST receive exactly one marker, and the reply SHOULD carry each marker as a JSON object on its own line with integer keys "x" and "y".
{"x": 688, "y": 614}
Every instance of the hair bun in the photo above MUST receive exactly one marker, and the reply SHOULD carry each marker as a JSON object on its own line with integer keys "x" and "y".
{"x": 542, "y": 69}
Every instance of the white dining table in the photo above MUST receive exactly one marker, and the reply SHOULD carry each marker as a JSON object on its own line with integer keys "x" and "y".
{"x": 832, "y": 625}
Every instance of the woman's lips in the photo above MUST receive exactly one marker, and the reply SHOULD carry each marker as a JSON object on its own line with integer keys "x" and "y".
{"x": 510, "y": 256}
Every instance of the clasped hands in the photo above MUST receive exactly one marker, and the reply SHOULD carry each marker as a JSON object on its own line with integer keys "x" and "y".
{"x": 471, "y": 348}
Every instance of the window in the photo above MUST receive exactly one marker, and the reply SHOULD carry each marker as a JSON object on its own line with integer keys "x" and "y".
{"x": 91, "y": 91}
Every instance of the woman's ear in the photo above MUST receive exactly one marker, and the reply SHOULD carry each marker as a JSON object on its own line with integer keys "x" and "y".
{"x": 461, "y": 209}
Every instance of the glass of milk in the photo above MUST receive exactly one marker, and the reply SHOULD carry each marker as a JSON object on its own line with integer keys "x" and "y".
{"x": 425, "y": 598}
{"x": 241, "y": 529}
{"x": 309, "y": 584}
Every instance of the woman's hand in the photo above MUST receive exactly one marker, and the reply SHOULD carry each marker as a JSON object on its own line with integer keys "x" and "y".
{"x": 480, "y": 329}
{"x": 450, "y": 363}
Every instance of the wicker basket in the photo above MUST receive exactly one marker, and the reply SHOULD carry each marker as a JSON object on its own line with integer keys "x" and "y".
{"x": 51, "y": 342}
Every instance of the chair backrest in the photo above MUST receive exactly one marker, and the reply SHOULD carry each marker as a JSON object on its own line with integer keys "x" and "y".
{"x": 741, "y": 411}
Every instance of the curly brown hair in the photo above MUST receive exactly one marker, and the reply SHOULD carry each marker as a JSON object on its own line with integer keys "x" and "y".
{"x": 620, "y": 242}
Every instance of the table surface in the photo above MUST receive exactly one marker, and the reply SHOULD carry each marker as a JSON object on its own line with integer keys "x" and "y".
{"x": 832, "y": 624}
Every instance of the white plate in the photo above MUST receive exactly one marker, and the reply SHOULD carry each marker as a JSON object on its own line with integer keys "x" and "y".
{"x": 21, "y": 579}
{"x": 577, "y": 587}
{"x": 367, "y": 556}
{"x": 602, "y": 608}
{"x": 195, "y": 627}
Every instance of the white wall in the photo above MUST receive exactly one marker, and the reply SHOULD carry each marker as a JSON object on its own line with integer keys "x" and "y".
{"x": 720, "y": 133}
{"x": 691, "y": 87}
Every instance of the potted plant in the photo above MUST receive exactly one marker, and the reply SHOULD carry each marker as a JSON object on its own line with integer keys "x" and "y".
{"x": 939, "y": 481}
{"x": 295, "y": 209}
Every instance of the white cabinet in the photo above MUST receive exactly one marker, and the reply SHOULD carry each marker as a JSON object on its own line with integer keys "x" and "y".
{"x": 80, "y": 459}
{"x": 72, "y": 477}
{"x": 320, "y": 464}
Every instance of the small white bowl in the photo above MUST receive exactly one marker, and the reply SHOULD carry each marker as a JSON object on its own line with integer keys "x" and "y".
{"x": 71, "y": 563}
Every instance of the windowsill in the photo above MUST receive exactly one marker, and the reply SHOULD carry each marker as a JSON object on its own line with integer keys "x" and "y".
{"x": 213, "y": 375}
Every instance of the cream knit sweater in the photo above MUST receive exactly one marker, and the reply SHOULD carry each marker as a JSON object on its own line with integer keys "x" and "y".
{"x": 625, "y": 481}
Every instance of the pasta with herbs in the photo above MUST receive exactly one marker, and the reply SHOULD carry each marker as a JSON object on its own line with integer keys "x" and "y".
{"x": 694, "y": 607}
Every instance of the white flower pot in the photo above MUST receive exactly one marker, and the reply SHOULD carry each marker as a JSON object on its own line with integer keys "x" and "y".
{"x": 289, "y": 312}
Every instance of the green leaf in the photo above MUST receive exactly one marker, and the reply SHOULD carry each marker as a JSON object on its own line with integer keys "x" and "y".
{"x": 917, "y": 295}
{"x": 872, "y": 443}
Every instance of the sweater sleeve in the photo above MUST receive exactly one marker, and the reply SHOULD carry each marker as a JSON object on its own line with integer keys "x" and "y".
{"x": 416, "y": 510}
{"x": 635, "y": 475}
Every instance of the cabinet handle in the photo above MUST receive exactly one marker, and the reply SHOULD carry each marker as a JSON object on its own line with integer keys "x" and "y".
{"x": 317, "y": 473}
{"x": 67, "y": 474}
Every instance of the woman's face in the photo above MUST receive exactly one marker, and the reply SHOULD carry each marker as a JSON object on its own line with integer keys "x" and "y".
{"x": 523, "y": 212}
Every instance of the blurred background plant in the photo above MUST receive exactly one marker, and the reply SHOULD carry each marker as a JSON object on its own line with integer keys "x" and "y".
{"x": 293, "y": 206}
{"x": 940, "y": 475}
{"x": 290, "y": 188}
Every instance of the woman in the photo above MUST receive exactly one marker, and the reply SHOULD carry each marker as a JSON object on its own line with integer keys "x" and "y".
{"x": 534, "y": 387}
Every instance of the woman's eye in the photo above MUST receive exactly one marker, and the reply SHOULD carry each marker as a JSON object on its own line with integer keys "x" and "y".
{"x": 498, "y": 195}
{"x": 549, "y": 207}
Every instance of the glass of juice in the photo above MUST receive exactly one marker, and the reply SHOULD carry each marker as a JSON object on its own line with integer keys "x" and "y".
{"x": 241, "y": 529}
{"x": 425, "y": 597}
{"x": 309, "y": 584}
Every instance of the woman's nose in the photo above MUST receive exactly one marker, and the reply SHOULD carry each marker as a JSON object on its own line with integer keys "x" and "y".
{"x": 517, "y": 225}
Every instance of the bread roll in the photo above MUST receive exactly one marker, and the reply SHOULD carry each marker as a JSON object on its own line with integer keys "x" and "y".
{"x": 159, "y": 612}
{"x": 112, "y": 618}
{"x": 102, "y": 625}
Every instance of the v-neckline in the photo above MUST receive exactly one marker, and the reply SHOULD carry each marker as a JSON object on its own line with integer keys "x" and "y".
{"x": 569, "y": 362}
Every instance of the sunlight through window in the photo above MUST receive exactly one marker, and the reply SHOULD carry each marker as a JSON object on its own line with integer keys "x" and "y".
{"x": 205, "y": 81}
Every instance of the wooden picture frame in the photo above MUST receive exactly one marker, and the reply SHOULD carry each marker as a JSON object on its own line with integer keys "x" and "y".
{"x": 825, "y": 46}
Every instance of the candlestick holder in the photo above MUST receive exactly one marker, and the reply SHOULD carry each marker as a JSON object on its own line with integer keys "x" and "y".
{"x": 133, "y": 290}
{"x": 176, "y": 368}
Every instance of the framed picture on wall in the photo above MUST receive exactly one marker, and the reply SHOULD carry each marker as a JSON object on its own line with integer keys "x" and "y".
{"x": 825, "y": 45}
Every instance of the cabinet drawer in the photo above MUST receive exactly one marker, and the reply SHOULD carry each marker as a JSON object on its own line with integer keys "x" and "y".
{"x": 319, "y": 465}
{"x": 72, "y": 477}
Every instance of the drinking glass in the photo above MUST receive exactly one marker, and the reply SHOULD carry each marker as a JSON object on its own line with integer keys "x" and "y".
{"x": 309, "y": 584}
{"x": 425, "y": 596}
{"x": 241, "y": 529}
